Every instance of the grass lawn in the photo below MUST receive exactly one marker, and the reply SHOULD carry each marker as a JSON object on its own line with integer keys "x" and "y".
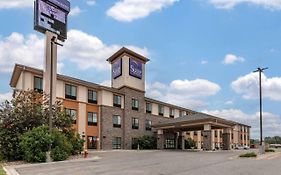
{"x": 2, "y": 172}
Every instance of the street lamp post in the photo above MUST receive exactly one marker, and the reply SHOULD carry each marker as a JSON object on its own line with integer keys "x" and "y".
{"x": 260, "y": 70}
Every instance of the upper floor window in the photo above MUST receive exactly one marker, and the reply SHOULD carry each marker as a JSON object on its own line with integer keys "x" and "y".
{"x": 172, "y": 112}
{"x": 135, "y": 104}
{"x": 181, "y": 113}
{"x": 117, "y": 101}
{"x": 116, "y": 121}
{"x": 38, "y": 84}
{"x": 148, "y": 124}
{"x": 72, "y": 113}
{"x": 92, "y": 96}
{"x": 148, "y": 108}
{"x": 92, "y": 119}
{"x": 70, "y": 91}
{"x": 160, "y": 110}
{"x": 135, "y": 123}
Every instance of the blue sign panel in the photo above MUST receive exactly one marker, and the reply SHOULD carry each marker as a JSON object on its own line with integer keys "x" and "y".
{"x": 135, "y": 68}
{"x": 51, "y": 15}
{"x": 117, "y": 68}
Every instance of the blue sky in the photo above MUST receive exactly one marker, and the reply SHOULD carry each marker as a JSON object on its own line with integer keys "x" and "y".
{"x": 202, "y": 52}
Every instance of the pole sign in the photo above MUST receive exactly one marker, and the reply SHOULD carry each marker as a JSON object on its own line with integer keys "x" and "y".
{"x": 135, "y": 68}
{"x": 52, "y": 15}
{"x": 117, "y": 68}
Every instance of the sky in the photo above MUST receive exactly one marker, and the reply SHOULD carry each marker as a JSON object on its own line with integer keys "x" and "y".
{"x": 202, "y": 52}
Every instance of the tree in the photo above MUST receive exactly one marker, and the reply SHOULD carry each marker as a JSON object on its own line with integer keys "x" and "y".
{"x": 189, "y": 143}
{"x": 146, "y": 142}
{"x": 27, "y": 110}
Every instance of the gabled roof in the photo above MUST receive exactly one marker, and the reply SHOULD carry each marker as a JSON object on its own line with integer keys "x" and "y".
{"x": 129, "y": 52}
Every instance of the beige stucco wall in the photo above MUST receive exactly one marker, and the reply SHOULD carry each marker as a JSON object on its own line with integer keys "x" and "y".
{"x": 177, "y": 113}
{"x": 106, "y": 98}
{"x": 82, "y": 94}
{"x": 154, "y": 109}
{"x": 126, "y": 80}
{"x": 60, "y": 89}
{"x": 25, "y": 81}
{"x": 166, "y": 111}
{"x": 82, "y": 118}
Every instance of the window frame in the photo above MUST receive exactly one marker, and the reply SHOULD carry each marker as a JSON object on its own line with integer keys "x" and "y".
{"x": 135, "y": 123}
{"x": 148, "y": 125}
{"x": 172, "y": 112}
{"x": 70, "y": 96}
{"x": 93, "y": 101}
{"x": 117, "y": 143}
{"x": 135, "y": 104}
{"x": 116, "y": 103}
{"x": 41, "y": 84}
{"x": 93, "y": 123}
{"x": 71, "y": 115}
{"x": 148, "y": 110}
{"x": 116, "y": 125}
{"x": 161, "y": 110}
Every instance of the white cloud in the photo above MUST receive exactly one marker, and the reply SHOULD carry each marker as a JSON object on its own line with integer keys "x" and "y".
{"x": 190, "y": 94}
{"x": 91, "y": 2}
{"x": 9, "y": 4}
{"x": 248, "y": 87}
{"x": 229, "y": 4}
{"x": 204, "y": 62}
{"x": 75, "y": 11}
{"x": 231, "y": 59}
{"x": 129, "y": 10}
{"x": 229, "y": 102}
{"x": 5, "y": 96}
{"x": 106, "y": 83}
{"x": 271, "y": 122}
{"x": 85, "y": 50}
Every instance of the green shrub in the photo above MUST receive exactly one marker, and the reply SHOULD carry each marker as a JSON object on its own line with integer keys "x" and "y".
{"x": 251, "y": 154}
{"x": 189, "y": 143}
{"x": 269, "y": 150}
{"x": 35, "y": 144}
{"x": 147, "y": 142}
{"x": 76, "y": 141}
{"x": 59, "y": 153}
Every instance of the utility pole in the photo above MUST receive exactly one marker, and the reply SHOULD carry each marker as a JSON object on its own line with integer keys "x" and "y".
{"x": 260, "y": 70}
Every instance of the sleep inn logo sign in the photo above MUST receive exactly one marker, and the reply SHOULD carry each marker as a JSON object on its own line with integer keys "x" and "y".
{"x": 135, "y": 68}
{"x": 117, "y": 68}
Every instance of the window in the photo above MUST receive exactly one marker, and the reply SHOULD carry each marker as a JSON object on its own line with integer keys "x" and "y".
{"x": 160, "y": 110}
{"x": 117, "y": 101}
{"x": 70, "y": 92}
{"x": 216, "y": 133}
{"x": 170, "y": 144}
{"x": 195, "y": 133}
{"x": 38, "y": 84}
{"x": 135, "y": 123}
{"x": 72, "y": 113}
{"x": 135, "y": 104}
{"x": 116, "y": 143}
{"x": 181, "y": 113}
{"x": 116, "y": 121}
{"x": 92, "y": 119}
{"x": 92, "y": 142}
{"x": 232, "y": 136}
{"x": 172, "y": 113}
{"x": 148, "y": 108}
{"x": 92, "y": 96}
{"x": 148, "y": 124}
{"x": 220, "y": 134}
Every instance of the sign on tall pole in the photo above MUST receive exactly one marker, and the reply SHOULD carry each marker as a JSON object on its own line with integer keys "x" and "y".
{"x": 50, "y": 18}
{"x": 262, "y": 146}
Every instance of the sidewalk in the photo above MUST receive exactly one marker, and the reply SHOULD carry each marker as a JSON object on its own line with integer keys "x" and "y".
{"x": 11, "y": 170}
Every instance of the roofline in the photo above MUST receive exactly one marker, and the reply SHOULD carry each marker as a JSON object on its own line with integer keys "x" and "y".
{"x": 125, "y": 50}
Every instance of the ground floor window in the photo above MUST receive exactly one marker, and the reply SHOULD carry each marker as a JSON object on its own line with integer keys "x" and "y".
{"x": 92, "y": 142}
{"x": 116, "y": 143}
{"x": 170, "y": 144}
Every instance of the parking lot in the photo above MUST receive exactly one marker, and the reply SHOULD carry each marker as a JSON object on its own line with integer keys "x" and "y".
{"x": 161, "y": 163}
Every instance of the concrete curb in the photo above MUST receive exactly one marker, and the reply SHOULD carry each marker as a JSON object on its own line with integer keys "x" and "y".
{"x": 11, "y": 170}
{"x": 269, "y": 156}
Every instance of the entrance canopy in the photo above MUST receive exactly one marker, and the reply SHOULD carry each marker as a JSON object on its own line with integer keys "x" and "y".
{"x": 194, "y": 122}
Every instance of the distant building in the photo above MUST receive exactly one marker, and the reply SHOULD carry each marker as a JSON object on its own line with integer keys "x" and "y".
{"x": 112, "y": 117}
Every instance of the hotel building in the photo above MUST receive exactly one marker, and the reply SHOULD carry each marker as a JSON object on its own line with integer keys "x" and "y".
{"x": 112, "y": 117}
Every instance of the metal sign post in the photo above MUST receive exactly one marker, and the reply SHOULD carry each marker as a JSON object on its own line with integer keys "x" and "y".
{"x": 50, "y": 18}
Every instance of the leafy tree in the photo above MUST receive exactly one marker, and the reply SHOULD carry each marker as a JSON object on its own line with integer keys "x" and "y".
{"x": 27, "y": 110}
